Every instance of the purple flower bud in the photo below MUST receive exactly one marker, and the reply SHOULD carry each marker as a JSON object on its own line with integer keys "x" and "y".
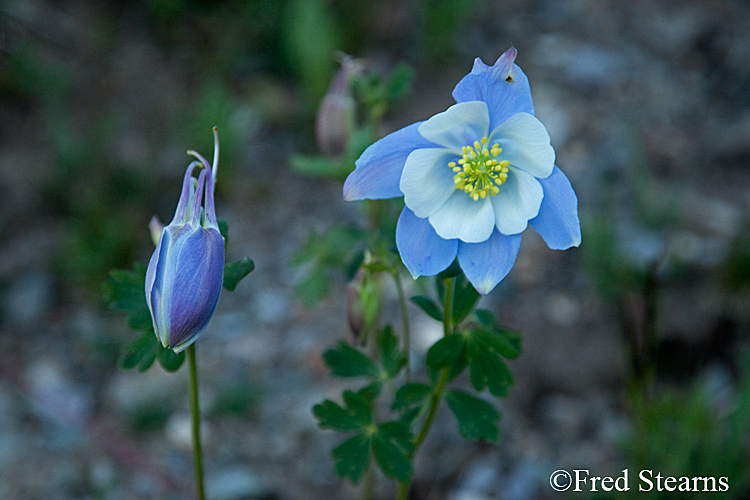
{"x": 336, "y": 117}
{"x": 185, "y": 273}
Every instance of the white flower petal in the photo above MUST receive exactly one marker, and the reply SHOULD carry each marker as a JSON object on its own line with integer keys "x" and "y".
{"x": 427, "y": 180}
{"x": 525, "y": 143}
{"x": 517, "y": 202}
{"x": 458, "y": 126}
{"x": 463, "y": 218}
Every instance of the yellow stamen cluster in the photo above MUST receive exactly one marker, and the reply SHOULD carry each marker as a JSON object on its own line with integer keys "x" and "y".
{"x": 478, "y": 173}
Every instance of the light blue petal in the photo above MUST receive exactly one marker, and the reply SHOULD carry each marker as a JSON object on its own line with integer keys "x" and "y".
{"x": 458, "y": 126}
{"x": 196, "y": 286}
{"x": 517, "y": 202}
{"x": 486, "y": 264}
{"x": 379, "y": 168}
{"x": 463, "y": 218}
{"x": 427, "y": 180}
{"x": 423, "y": 252}
{"x": 503, "y": 86}
{"x": 557, "y": 222}
{"x": 526, "y": 144}
{"x": 153, "y": 295}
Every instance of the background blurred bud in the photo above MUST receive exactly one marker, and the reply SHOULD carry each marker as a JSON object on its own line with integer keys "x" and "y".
{"x": 337, "y": 113}
{"x": 155, "y": 227}
{"x": 363, "y": 304}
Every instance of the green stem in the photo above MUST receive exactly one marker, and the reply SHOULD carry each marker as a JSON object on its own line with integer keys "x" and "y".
{"x": 437, "y": 395}
{"x": 404, "y": 322}
{"x": 195, "y": 411}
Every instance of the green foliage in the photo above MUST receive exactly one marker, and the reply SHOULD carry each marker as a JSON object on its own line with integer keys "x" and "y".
{"x": 340, "y": 248}
{"x": 234, "y": 272}
{"x": 392, "y": 446}
{"x": 429, "y": 306}
{"x": 480, "y": 346}
{"x": 685, "y": 433}
{"x": 355, "y": 415}
{"x": 444, "y": 23}
{"x": 347, "y": 361}
{"x": 310, "y": 38}
{"x": 353, "y": 457}
{"x": 480, "y": 349}
{"x": 736, "y": 268}
{"x": 477, "y": 419}
{"x": 410, "y": 395}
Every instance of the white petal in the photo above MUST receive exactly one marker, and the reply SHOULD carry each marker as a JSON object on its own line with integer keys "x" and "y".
{"x": 517, "y": 202}
{"x": 427, "y": 180}
{"x": 525, "y": 144}
{"x": 458, "y": 126}
{"x": 463, "y": 218}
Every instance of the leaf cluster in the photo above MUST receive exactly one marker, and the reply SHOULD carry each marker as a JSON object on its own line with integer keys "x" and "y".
{"x": 477, "y": 344}
{"x": 389, "y": 443}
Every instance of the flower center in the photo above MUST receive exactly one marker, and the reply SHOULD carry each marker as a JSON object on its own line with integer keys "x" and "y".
{"x": 479, "y": 173}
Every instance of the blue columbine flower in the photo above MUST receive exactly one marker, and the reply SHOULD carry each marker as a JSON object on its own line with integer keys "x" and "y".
{"x": 472, "y": 177}
{"x": 185, "y": 273}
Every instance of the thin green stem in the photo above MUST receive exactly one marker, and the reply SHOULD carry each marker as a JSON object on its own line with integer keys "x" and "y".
{"x": 437, "y": 395}
{"x": 404, "y": 322}
{"x": 195, "y": 411}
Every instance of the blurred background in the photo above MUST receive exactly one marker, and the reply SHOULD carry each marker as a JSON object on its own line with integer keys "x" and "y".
{"x": 648, "y": 107}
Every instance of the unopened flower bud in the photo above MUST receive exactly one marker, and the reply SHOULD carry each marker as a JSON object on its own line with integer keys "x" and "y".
{"x": 362, "y": 304}
{"x": 336, "y": 118}
{"x": 185, "y": 273}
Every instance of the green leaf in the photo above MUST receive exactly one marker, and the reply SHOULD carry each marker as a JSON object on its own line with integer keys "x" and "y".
{"x": 429, "y": 306}
{"x": 353, "y": 457}
{"x": 409, "y": 395}
{"x": 504, "y": 342}
{"x": 477, "y": 419}
{"x": 486, "y": 369}
{"x": 391, "y": 445}
{"x": 391, "y": 356}
{"x": 446, "y": 352}
{"x": 140, "y": 353}
{"x": 223, "y": 229}
{"x": 234, "y": 272}
{"x": 338, "y": 248}
{"x": 125, "y": 289}
{"x": 355, "y": 416}
{"x": 451, "y": 272}
{"x": 318, "y": 166}
{"x": 485, "y": 317}
{"x": 170, "y": 360}
{"x": 410, "y": 416}
{"x": 347, "y": 361}
{"x": 465, "y": 298}
{"x": 140, "y": 319}
{"x": 399, "y": 83}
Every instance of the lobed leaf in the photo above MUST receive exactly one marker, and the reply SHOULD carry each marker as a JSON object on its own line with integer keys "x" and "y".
{"x": 140, "y": 353}
{"x": 429, "y": 306}
{"x": 347, "y": 361}
{"x": 391, "y": 445}
{"x": 409, "y": 395}
{"x": 331, "y": 415}
{"x": 353, "y": 457}
{"x": 477, "y": 419}
{"x": 236, "y": 271}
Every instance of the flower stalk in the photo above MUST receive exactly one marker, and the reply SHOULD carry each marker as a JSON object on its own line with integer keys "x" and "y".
{"x": 437, "y": 395}
{"x": 196, "y": 423}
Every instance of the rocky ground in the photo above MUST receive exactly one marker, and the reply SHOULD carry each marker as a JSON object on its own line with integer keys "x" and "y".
{"x": 648, "y": 107}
